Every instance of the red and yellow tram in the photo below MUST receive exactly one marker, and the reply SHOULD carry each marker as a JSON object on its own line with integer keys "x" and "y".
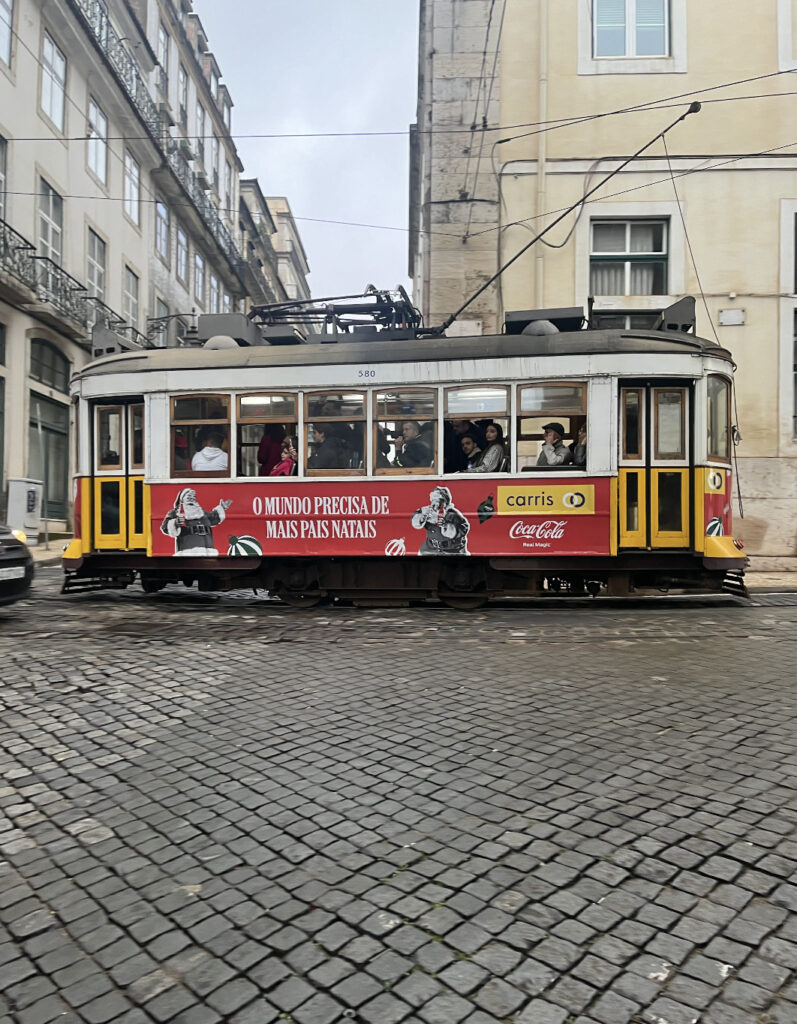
{"x": 172, "y": 485}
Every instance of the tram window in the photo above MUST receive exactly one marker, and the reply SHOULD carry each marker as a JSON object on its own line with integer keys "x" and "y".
{"x": 405, "y": 429}
{"x": 136, "y": 436}
{"x": 200, "y": 431}
{"x": 335, "y": 433}
{"x": 109, "y": 437}
{"x": 632, "y": 423}
{"x": 264, "y": 421}
{"x": 562, "y": 402}
{"x": 719, "y": 418}
{"x": 670, "y": 423}
{"x": 469, "y": 411}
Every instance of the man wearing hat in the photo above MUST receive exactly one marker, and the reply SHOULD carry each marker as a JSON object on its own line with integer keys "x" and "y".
{"x": 554, "y": 451}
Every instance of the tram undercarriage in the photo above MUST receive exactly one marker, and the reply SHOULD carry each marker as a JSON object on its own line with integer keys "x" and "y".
{"x": 463, "y": 583}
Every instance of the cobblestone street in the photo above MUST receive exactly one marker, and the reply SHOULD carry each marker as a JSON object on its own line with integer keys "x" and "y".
{"x": 219, "y": 809}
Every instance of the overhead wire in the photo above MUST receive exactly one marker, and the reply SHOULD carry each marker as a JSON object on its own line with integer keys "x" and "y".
{"x": 475, "y": 119}
{"x": 485, "y": 117}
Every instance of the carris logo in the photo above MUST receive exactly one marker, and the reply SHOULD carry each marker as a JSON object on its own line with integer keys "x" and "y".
{"x": 550, "y": 529}
{"x": 573, "y": 499}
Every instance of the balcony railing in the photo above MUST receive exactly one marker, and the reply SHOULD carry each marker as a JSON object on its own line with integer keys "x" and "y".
{"x": 124, "y": 65}
{"x": 16, "y": 255}
{"x": 60, "y": 289}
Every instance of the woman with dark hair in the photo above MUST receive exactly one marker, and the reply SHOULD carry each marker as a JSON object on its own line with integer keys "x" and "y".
{"x": 494, "y": 457}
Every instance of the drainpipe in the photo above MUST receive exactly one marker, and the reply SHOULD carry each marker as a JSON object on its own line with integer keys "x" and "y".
{"x": 542, "y": 146}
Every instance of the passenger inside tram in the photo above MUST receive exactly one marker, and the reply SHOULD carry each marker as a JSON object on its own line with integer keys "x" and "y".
{"x": 411, "y": 447}
{"x": 494, "y": 457}
{"x": 578, "y": 448}
{"x": 554, "y": 451}
{"x": 331, "y": 448}
{"x": 211, "y": 456}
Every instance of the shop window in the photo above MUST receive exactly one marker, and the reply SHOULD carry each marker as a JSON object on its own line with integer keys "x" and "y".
{"x": 264, "y": 423}
{"x": 335, "y": 433}
{"x": 405, "y": 430}
{"x": 200, "y": 435}
{"x": 541, "y": 405}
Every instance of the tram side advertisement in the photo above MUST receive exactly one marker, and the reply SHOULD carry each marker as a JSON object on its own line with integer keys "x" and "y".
{"x": 377, "y": 518}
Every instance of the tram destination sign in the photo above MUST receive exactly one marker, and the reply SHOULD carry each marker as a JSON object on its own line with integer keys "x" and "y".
{"x": 397, "y": 518}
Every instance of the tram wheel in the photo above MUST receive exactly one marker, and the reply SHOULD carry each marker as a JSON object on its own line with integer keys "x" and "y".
{"x": 152, "y": 586}
{"x": 297, "y": 599}
{"x": 463, "y": 602}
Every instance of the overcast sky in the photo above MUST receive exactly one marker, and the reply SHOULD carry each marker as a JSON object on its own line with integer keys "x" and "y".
{"x": 326, "y": 66}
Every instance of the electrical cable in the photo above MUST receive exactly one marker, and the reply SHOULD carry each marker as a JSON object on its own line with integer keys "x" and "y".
{"x": 475, "y": 118}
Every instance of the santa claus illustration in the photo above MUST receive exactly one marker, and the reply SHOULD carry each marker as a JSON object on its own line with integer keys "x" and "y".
{"x": 446, "y": 527}
{"x": 191, "y": 526}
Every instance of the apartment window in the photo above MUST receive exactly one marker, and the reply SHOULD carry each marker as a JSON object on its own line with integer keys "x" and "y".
{"x": 200, "y": 131}
{"x": 3, "y": 178}
{"x": 48, "y": 366}
{"x": 228, "y": 188}
{"x": 226, "y": 115}
{"x": 628, "y": 257}
{"x": 95, "y": 266}
{"x": 182, "y": 94}
{"x": 6, "y": 20}
{"x": 51, "y": 222}
{"x": 98, "y": 142}
{"x": 130, "y": 297}
{"x": 53, "y": 81}
{"x": 630, "y": 28}
{"x": 163, "y": 59}
{"x": 214, "y": 162}
{"x": 161, "y": 336}
{"x": 162, "y": 230}
{"x": 199, "y": 277}
{"x": 132, "y": 187}
{"x": 214, "y": 85}
{"x": 213, "y": 294}
{"x": 182, "y": 254}
{"x": 226, "y": 303}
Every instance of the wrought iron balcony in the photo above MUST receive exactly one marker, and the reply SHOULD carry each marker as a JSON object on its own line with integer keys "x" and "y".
{"x": 16, "y": 256}
{"x": 60, "y": 290}
{"x": 96, "y": 19}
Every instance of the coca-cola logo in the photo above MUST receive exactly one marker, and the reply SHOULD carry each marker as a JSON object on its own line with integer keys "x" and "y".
{"x": 550, "y": 529}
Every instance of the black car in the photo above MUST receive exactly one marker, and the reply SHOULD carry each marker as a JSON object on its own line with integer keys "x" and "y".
{"x": 16, "y": 565}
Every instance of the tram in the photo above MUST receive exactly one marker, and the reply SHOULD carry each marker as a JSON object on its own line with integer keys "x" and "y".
{"x": 173, "y": 485}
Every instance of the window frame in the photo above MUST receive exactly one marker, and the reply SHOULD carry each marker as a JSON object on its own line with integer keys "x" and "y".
{"x": 724, "y": 459}
{"x": 132, "y": 410}
{"x": 676, "y": 63}
{"x": 59, "y": 363}
{"x": 96, "y": 272}
{"x": 97, "y": 142}
{"x": 53, "y": 82}
{"x": 55, "y": 225}
{"x": 375, "y": 420}
{"x": 554, "y": 414}
{"x": 200, "y": 422}
{"x": 132, "y": 188}
{"x": 307, "y": 397}
{"x": 631, "y": 29}
{"x": 656, "y": 459}
{"x": 7, "y": 48}
{"x": 247, "y": 421}
{"x": 182, "y": 254}
{"x": 162, "y": 229}
{"x": 200, "y": 273}
{"x": 628, "y": 258}
{"x": 131, "y": 300}
{"x": 3, "y": 174}
{"x": 100, "y": 465}
{"x": 200, "y": 131}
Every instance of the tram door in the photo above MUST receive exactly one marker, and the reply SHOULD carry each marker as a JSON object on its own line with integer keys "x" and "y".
{"x": 655, "y": 456}
{"x": 120, "y": 498}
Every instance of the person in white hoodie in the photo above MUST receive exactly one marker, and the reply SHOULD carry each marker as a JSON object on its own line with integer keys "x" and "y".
{"x": 212, "y": 456}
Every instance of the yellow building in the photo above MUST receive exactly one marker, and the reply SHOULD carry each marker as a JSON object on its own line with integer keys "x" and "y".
{"x": 525, "y": 106}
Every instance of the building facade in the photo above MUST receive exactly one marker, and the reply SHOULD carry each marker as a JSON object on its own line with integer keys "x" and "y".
{"x": 121, "y": 213}
{"x": 524, "y": 108}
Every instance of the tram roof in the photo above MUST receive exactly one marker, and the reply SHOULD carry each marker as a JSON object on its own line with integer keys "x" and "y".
{"x": 500, "y": 346}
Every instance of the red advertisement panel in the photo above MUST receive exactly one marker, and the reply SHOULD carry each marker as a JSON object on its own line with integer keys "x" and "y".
{"x": 717, "y": 502}
{"x": 382, "y": 517}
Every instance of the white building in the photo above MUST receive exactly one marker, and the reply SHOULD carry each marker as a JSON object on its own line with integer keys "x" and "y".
{"x": 119, "y": 206}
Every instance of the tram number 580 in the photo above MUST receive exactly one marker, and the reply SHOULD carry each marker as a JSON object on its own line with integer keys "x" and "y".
{"x": 366, "y": 373}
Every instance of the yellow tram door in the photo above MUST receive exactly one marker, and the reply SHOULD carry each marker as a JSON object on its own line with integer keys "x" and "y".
{"x": 120, "y": 498}
{"x": 654, "y": 466}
